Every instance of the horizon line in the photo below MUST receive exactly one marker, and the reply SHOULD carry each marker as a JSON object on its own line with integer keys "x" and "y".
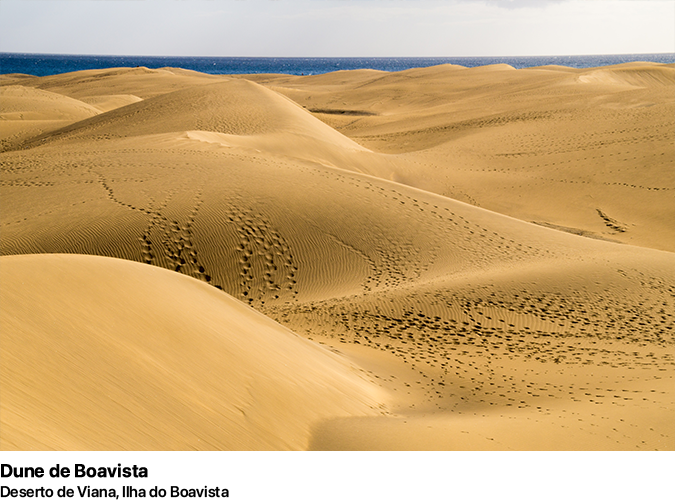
{"x": 329, "y": 57}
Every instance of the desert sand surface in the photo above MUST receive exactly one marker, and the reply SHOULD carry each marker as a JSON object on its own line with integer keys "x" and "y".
{"x": 444, "y": 258}
{"x": 141, "y": 357}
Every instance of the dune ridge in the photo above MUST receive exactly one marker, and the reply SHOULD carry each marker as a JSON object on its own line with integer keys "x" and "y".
{"x": 26, "y": 112}
{"x": 491, "y": 246}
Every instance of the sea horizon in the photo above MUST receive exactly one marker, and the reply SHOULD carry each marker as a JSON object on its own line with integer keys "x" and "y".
{"x": 50, "y": 64}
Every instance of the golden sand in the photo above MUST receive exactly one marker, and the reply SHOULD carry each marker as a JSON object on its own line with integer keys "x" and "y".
{"x": 440, "y": 258}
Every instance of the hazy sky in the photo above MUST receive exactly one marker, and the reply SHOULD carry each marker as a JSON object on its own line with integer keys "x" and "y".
{"x": 337, "y": 27}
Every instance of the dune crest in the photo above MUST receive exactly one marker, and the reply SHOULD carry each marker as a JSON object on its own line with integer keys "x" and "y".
{"x": 26, "y": 112}
{"x": 109, "y": 102}
{"x": 234, "y": 107}
{"x": 633, "y": 75}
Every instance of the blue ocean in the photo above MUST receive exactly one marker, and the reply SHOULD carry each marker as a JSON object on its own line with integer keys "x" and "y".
{"x": 51, "y": 64}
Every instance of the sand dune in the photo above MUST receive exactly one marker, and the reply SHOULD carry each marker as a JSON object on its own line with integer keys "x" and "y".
{"x": 25, "y": 103}
{"x": 234, "y": 107}
{"x": 110, "y": 354}
{"x": 109, "y": 102}
{"x": 553, "y": 145}
{"x": 26, "y": 112}
{"x": 642, "y": 75}
{"x": 457, "y": 233}
{"x": 141, "y": 82}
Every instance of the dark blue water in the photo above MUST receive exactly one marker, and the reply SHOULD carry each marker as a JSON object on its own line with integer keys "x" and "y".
{"x": 51, "y": 64}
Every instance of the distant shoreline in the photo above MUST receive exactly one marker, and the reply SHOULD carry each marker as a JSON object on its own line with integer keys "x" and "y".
{"x": 51, "y": 64}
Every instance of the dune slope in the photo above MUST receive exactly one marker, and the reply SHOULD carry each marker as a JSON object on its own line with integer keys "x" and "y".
{"x": 102, "y": 353}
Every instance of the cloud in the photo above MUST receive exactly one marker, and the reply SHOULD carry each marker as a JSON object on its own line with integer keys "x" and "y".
{"x": 540, "y": 4}
{"x": 519, "y": 4}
